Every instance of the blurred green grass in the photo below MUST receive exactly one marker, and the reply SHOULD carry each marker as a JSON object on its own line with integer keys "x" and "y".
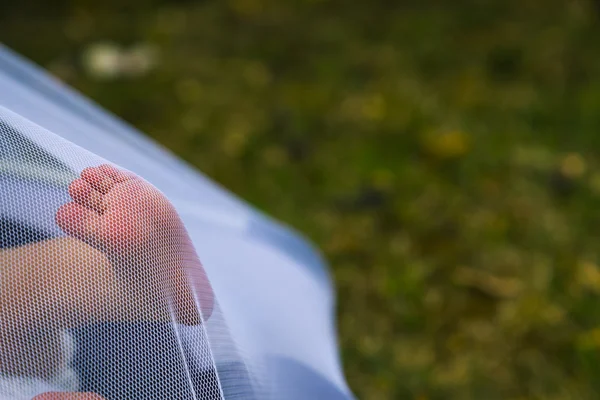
{"x": 444, "y": 155}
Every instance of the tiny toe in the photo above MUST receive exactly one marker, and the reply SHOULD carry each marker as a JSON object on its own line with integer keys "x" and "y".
{"x": 116, "y": 174}
{"x": 78, "y": 221}
{"x": 83, "y": 193}
{"x": 99, "y": 180}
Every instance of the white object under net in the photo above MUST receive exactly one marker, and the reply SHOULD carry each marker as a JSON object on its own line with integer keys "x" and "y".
{"x": 126, "y": 274}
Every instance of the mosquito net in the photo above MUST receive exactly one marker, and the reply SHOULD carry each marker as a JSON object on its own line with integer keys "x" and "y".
{"x": 126, "y": 274}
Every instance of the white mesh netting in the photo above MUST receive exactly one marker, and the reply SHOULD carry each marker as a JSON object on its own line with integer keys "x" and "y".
{"x": 99, "y": 277}
{"x": 102, "y": 290}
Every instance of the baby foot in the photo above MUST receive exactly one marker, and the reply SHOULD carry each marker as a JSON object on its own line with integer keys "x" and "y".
{"x": 142, "y": 236}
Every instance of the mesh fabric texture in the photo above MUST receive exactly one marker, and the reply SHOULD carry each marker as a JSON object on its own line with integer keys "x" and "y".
{"x": 101, "y": 285}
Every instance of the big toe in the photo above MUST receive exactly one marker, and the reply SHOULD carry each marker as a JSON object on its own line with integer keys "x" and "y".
{"x": 78, "y": 221}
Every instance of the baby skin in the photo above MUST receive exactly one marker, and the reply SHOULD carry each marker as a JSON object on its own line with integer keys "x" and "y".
{"x": 126, "y": 257}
